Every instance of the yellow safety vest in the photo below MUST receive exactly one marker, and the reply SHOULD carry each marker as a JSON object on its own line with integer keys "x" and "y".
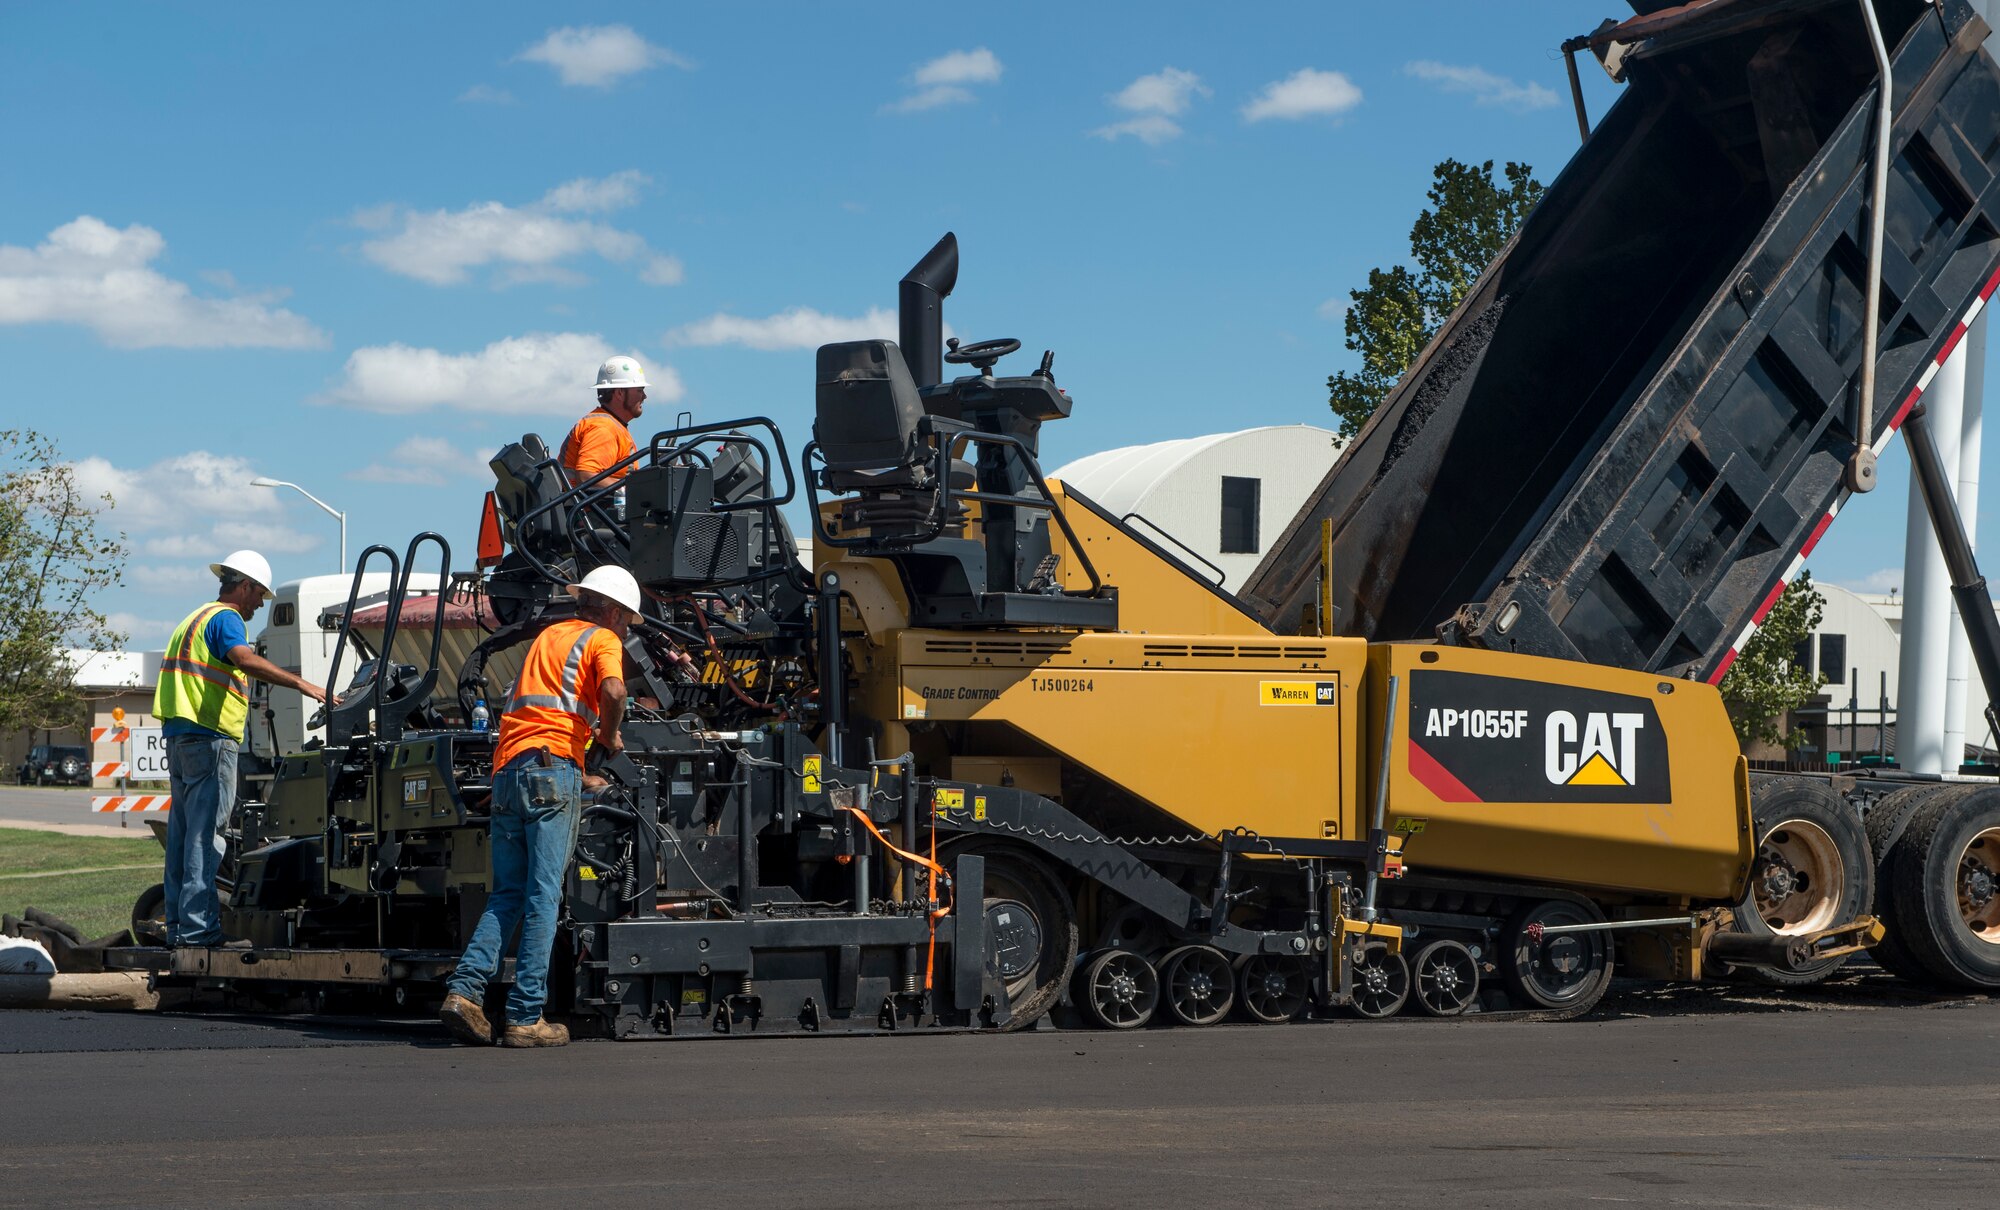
{"x": 197, "y": 685}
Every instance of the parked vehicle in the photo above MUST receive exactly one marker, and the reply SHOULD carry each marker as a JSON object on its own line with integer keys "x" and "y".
{"x": 54, "y": 765}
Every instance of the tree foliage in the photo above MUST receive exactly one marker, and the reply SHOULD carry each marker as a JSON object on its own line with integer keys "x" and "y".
{"x": 54, "y": 558}
{"x": 1392, "y": 318}
{"x": 1764, "y": 685}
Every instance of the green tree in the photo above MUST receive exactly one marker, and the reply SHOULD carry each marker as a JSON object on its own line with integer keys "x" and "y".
{"x": 1392, "y": 318}
{"x": 54, "y": 558}
{"x": 1764, "y": 685}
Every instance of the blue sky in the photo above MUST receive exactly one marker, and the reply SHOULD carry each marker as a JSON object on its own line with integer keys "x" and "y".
{"x": 359, "y": 247}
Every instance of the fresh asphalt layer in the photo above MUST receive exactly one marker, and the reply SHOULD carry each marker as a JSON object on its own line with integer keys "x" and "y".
{"x": 1855, "y": 1097}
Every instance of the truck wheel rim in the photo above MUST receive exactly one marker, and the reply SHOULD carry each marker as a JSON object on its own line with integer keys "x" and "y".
{"x": 1979, "y": 886}
{"x": 1796, "y": 886}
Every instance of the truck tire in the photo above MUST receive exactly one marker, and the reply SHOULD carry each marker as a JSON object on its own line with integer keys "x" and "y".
{"x": 1565, "y": 975}
{"x": 1945, "y": 884}
{"x": 1888, "y": 821}
{"x": 1812, "y": 870}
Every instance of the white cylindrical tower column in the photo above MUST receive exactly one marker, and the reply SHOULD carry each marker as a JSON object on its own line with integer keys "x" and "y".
{"x": 1928, "y": 622}
{"x": 1965, "y": 714}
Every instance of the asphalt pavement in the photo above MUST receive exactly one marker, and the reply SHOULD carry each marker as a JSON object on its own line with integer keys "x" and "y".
{"x": 1689, "y": 1098}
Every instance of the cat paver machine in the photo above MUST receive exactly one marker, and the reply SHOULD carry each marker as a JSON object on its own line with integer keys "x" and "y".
{"x": 996, "y": 758}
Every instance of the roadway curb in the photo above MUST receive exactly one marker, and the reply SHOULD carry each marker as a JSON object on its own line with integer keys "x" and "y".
{"x": 113, "y": 991}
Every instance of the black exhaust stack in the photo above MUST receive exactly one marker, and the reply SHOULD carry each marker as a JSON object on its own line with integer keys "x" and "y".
{"x": 920, "y": 310}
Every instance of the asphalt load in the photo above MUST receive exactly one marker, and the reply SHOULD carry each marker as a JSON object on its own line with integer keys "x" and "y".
{"x": 1861, "y": 1094}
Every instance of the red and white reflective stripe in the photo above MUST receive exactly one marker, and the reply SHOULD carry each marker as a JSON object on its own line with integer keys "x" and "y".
{"x": 1819, "y": 530}
{"x": 114, "y": 735}
{"x": 132, "y": 802}
{"x": 114, "y": 768}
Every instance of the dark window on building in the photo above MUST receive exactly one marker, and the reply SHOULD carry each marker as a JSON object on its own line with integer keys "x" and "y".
{"x": 1802, "y": 655}
{"x": 1833, "y": 657}
{"x": 1239, "y": 515}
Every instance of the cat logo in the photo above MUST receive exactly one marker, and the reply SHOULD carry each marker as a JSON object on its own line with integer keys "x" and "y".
{"x": 1601, "y": 750}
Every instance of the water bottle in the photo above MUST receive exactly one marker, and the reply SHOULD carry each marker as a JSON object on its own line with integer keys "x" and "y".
{"x": 480, "y": 718}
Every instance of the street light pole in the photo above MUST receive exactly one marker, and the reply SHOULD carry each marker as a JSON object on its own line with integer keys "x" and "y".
{"x": 263, "y": 481}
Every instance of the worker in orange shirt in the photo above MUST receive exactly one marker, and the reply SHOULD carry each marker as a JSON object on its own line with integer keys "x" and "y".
{"x": 571, "y": 691}
{"x": 601, "y": 439}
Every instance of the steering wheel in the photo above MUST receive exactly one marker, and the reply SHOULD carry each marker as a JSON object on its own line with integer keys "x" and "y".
{"x": 980, "y": 353}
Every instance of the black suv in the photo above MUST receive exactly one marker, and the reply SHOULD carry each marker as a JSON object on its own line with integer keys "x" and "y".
{"x": 54, "y": 765}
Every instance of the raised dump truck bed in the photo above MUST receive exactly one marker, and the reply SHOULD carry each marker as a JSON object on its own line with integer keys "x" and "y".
{"x": 1631, "y": 433}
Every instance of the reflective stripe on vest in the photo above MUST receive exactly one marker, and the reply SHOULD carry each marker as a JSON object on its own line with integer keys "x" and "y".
{"x": 568, "y": 702}
{"x": 198, "y": 687}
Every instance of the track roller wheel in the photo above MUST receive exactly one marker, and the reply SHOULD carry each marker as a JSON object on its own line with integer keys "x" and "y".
{"x": 1118, "y": 989}
{"x": 1444, "y": 978}
{"x": 1030, "y": 933}
{"x": 1271, "y": 988}
{"x": 1944, "y": 884}
{"x": 1565, "y": 974}
{"x": 1381, "y": 983}
{"x": 1197, "y": 985}
{"x": 1812, "y": 871}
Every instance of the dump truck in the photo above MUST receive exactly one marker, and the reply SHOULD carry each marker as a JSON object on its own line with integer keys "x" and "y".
{"x": 996, "y": 758}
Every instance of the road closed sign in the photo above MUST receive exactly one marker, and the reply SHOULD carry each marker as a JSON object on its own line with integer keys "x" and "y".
{"x": 149, "y": 754}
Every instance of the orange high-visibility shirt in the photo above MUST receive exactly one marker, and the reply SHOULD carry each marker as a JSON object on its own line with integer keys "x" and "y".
{"x": 598, "y": 440}
{"x": 555, "y": 700}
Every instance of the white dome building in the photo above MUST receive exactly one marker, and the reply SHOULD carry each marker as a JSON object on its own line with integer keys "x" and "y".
{"x": 1224, "y": 497}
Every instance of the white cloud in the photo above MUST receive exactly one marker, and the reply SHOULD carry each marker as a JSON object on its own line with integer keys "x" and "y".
{"x": 1484, "y": 87}
{"x": 526, "y": 243}
{"x": 980, "y": 66}
{"x": 89, "y": 273}
{"x": 486, "y": 94}
{"x": 1154, "y": 99}
{"x": 140, "y": 632}
{"x": 1306, "y": 93}
{"x": 930, "y": 98}
{"x": 1168, "y": 90}
{"x": 614, "y": 192}
{"x": 430, "y": 461}
{"x": 662, "y": 271}
{"x": 1334, "y": 310}
{"x": 1151, "y": 129}
{"x": 797, "y": 328}
{"x": 598, "y": 56}
{"x": 192, "y": 509}
{"x": 943, "y": 80}
{"x": 541, "y": 373}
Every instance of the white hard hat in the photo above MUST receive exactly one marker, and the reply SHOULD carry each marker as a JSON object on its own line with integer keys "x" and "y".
{"x": 248, "y": 564}
{"x": 620, "y": 372}
{"x": 613, "y": 584}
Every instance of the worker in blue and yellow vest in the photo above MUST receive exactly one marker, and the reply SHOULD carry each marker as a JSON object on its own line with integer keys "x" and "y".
{"x": 203, "y": 704}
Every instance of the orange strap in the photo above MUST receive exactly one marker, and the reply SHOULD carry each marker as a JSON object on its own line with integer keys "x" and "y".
{"x": 915, "y": 859}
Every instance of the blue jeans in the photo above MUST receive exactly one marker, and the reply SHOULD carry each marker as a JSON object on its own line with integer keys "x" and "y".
{"x": 535, "y": 813}
{"x": 201, "y": 771}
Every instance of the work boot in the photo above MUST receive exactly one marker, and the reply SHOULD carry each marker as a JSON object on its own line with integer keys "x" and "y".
{"x": 541, "y": 1033}
{"x": 466, "y": 1020}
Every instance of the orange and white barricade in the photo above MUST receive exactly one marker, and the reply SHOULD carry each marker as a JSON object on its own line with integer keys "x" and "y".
{"x": 131, "y": 802}
{"x": 110, "y": 735}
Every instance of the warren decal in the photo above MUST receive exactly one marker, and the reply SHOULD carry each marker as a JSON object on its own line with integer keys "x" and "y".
{"x": 1475, "y": 738}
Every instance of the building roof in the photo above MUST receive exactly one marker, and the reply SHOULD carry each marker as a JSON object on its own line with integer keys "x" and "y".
{"x": 102, "y": 670}
{"x": 1119, "y": 479}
